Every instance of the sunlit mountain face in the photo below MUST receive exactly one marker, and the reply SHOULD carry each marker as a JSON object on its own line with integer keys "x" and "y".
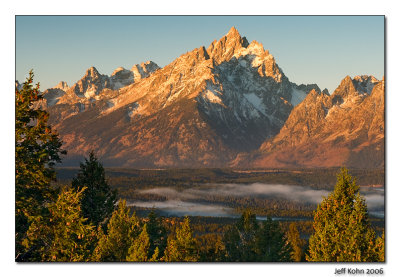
{"x": 228, "y": 104}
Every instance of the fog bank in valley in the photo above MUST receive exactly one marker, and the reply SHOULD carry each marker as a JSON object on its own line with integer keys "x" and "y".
{"x": 190, "y": 201}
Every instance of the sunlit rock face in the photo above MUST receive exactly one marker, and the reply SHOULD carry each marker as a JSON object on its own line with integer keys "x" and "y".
{"x": 210, "y": 107}
{"x": 342, "y": 129}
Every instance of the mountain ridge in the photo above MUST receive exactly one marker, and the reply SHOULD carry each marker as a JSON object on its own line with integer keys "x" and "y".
{"x": 345, "y": 128}
{"x": 210, "y": 107}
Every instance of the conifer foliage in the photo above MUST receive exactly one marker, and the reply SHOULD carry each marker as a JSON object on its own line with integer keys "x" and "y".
{"x": 342, "y": 230}
{"x": 122, "y": 229}
{"x": 62, "y": 236}
{"x": 248, "y": 241}
{"x": 271, "y": 243}
{"x": 296, "y": 243}
{"x": 98, "y": 199}
{"x": 37, "y": 149}
{"x": 240, "y": 239}
{"x": 157, "y": 234}
{"x": 181, "y": 246}
{"x": 140, "y": 250}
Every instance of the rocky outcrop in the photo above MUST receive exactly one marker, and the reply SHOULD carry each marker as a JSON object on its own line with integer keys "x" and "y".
{"x": 342, "y": 129}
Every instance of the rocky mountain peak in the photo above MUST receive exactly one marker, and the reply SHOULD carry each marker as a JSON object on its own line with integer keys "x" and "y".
{"x": 118, "y": 70}
{"x": 92, "y": 72}
{"x": 233, "y": 34}
{"x": 314, "y": 96}
{"x": 365, "y": 83}
{"x": 150, "y": 66}
{"x": 224, "y": 49}
{"x": 62, "y": 85}
{"x": 354, "y": 90}
{"x": 143, "y": 70}
{"x": 346, "y": 82}
{"x": 121, "y": 77}
{"x": 345, "y": 89}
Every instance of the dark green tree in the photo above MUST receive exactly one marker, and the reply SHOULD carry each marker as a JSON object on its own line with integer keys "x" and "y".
{"x": 247, "y": 241}
{"x": 157, "y": 233}
{"x": 98, "y": 200}
{"x": 62, "y": 236}
{"x": 211, "y": 247}
{"x": 240, "y": 239}
{"x": 122, "y": 229}
{"x": 271, "y": 243}
{"x": 342, "y": 230}
{"x": 37, "y": 149}
{"x": 181, "y": 246}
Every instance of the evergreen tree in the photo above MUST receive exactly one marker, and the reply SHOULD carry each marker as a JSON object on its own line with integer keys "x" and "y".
{"x": 296, "y": 243}
{"x": 181, "y": 246}
{"x": 37, "y": 149}
{"x": 140, "y": 250}
{"x": 247, "y": 241}
{"x": 157, "y": 234}
{"x": 122, "y": 229}
{"x": 271, "y": 244}
{"x": 342, "y": 230}
{"x": 98, "y": 200}
{"x": 62, "y": 236}
{"x": 232, "y": 245}
{"x": 240, "y": 239}
{"x": 211, "y": 247}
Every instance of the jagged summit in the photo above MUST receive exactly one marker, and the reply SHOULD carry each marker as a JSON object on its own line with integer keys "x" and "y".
{"x": 353, "y": 90}
{"x": 233, "y": 32}
{"x": 62, "y": 85}
{"x": 360, "y": 83}
{"x": 143, "y": 70}
{"x": 117, "y": 70}
{"x": 326, "y": 91}
{"x": 365, "y": 83}
{"x": 92, "y": 72}
{"x": 233, "y": 35}
{"x": 223, "y": 49}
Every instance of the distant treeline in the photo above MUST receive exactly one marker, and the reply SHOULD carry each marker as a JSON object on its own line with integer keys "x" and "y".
{"x": 320, "y": 178}
{"x": 129, "y": 181}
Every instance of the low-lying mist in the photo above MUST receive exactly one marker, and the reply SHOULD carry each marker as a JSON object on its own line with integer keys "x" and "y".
{"x": 189, "y": 201}
{"x": 182, "y": 208}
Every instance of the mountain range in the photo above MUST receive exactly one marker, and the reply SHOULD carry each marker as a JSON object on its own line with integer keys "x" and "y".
{"x": 229, "y": 104}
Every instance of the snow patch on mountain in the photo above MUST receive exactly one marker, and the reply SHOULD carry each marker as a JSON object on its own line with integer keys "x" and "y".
{"x": 91, "y": 92}
{"x": 297, "y": 96}
{"x": 256, "y": 102}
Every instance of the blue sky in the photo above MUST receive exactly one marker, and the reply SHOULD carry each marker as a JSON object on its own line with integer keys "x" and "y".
{"x": 309, "y": 49}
